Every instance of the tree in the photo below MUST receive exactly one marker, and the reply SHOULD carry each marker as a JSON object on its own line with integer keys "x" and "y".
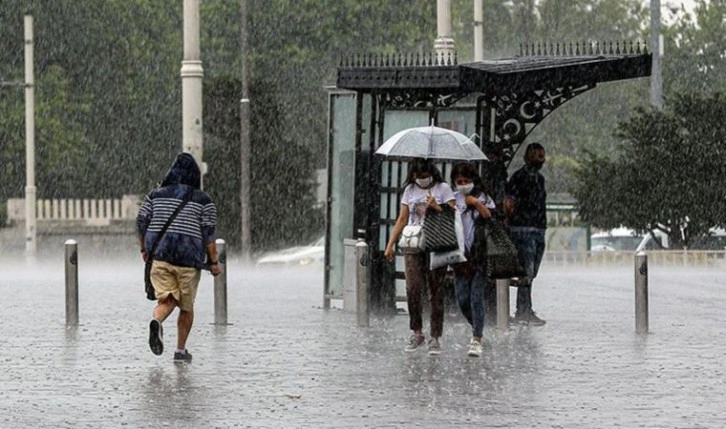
{"x": 283, "y": 192}
{"x": 695, "y": 47}
{"x": 667, "y": 173}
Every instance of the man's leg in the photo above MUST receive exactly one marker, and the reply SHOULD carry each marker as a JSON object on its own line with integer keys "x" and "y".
{"x": 164, "y": 308}
{"x": 164, "y": 287}
{"x": 535, "y": 251}
{"x": 525, "y": 247}
{"x": 188, "y": 283}
{"x": 184, "y": 327}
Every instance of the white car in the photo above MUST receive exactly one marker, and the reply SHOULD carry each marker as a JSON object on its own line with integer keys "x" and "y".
{"x": 300, "y": 256}
{"x": 615, "y": 240}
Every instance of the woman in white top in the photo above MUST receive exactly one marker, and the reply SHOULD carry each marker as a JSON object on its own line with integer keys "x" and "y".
{"x": 471, "y": 276}
{"x": 424, "y": 188}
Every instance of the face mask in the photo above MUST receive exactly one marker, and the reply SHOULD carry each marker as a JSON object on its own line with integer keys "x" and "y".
{"x": 424, "y": 183}
{"x": 466, "y": 189}
{"x": 537, "y": 165}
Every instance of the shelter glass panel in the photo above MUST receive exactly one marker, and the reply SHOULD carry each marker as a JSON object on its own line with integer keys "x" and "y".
{"x": 461, "y": 120}
{"x": 341, "y": 168}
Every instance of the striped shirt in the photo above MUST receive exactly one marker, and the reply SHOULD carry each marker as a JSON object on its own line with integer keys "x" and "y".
{"x": 183, "y": 243}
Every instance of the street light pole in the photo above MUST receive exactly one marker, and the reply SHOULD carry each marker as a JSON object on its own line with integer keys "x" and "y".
{"x": 478, "y": 30}
{"x": 656, "y": 79}
{"x": 191, "y": 76}
{"x": 245, "y": 144}
{"x": 444, "y": 43}
{"x": 30, "y": 189}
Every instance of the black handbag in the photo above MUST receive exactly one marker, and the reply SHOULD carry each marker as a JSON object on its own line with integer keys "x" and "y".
{"x": 494, "y": 247}
{"x": 440, "y": 230}
{"x": 148, "y": 286}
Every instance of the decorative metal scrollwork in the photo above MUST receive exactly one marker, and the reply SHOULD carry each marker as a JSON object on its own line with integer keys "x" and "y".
{"x": 424, "y": 99}
{"x": 516, "y": 115}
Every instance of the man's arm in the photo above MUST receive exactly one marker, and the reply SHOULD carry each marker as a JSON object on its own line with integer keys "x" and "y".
{"x": 143, "y": 219}
{"x": 512, "y": 193}
{"x": 209, "y": 223}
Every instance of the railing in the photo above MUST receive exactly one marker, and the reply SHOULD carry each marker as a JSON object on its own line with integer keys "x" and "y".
{"x": 656, "y": 257}
{"x": 89, "y": 211}
{"x": 78, "y": 209}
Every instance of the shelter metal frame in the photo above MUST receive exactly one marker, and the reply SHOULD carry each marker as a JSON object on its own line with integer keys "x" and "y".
{"x": 509, "y": 96}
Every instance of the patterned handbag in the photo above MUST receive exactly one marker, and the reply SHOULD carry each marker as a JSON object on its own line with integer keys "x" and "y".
{"x": 440, "y": 230}
{"x": 495, "y": 248}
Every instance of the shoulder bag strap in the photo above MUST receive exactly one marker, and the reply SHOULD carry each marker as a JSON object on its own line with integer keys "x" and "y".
{"x": 168, "y": 223}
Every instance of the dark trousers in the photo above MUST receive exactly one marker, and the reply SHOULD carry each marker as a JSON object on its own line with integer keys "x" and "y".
{"x": 418, "y": 275}
{"x": 470, "y": 280}
{"x": 530, "y": 246}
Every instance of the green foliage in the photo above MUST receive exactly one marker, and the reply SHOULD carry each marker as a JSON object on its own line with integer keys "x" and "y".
{"x": 694, "y": 58}
{"x": 108, "y": 94}
{"x": 668, "y": 171}
{"x": 283, "y": 186}
{"x": 3, "y": 214}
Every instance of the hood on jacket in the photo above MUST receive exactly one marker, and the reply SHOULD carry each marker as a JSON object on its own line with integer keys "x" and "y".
{"x": 184, "y": 170}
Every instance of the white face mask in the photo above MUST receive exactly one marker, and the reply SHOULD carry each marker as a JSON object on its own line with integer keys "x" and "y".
{"x": 466, "y": 189}
{"x": 424, "y": 183}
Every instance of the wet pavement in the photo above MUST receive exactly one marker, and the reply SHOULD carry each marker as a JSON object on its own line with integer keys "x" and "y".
{"x": 285, "y": 362}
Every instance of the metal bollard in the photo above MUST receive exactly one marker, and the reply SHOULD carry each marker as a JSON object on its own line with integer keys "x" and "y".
{"x": 220, "y": 285}
{"x": 71, "y": 250}
{"x": 641, "y": 293}
{"x": 502, "y": 304}
{"x": 361, "y": 301}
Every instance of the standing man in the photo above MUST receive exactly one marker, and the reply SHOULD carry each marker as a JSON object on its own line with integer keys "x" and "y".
{"x": 525, "y": 207}
{"x": 181, "y": 252}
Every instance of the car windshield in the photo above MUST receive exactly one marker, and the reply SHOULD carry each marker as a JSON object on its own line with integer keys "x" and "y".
{"x": 617, "y": 243}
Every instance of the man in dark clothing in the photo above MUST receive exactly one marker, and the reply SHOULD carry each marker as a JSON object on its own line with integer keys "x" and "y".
{"x": 182, "y": 251}
{"x": 525, "y": 207}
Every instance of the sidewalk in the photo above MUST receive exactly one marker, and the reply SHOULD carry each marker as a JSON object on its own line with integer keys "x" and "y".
{"x": 285, "y": 362}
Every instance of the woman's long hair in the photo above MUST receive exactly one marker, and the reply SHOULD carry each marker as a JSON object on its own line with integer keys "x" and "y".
{"x": 421, "y": 165}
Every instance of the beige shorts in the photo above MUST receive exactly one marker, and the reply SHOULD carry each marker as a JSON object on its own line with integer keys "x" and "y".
{"x": 180, "y": 282}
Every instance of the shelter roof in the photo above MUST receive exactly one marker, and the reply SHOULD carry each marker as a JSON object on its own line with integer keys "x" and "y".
{"x": 501, "y": 76}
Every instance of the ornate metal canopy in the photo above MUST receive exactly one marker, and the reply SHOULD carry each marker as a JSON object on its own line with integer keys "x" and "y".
{"x": 535, "y": 68}
{"x": 511, "y": 96}
{"x": 521, "y": 90}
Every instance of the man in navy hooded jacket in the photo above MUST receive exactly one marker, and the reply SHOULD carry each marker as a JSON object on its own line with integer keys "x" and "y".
{"x": 182, "y": 251}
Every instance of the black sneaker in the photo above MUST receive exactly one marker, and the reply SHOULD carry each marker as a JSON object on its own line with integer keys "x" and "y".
{"x": 184, "y": 356}
{"x": 156, "y": 337}
{"x": 529, "y": 319}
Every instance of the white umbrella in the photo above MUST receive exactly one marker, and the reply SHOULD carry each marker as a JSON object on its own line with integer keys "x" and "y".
{"x": 431, "y": 143}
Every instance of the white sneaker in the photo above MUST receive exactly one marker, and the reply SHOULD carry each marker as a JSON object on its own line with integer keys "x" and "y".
{"x": 434, "y": 347}
{"x": 474, "y": 348}
{"x": 414, "y": 343}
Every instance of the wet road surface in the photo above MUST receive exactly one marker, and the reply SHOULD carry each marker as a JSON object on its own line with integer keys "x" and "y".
{"x": 285, "y": 362}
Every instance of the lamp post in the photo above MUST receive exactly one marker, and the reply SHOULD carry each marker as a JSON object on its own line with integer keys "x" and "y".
{"x": 444, "y": 43}
{"x": 191, "y": 76}
{"x": 478, "y": 30}
{"x": 245, "y": 144}
{"x": 30, "y": 189}
{"x": 656, "y": 79}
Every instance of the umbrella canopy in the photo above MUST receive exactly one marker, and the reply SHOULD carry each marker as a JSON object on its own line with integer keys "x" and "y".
{"x": 431, "y": 143}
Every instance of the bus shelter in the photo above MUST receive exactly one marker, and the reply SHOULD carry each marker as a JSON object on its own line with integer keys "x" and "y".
{"x": 498, "y": 102}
